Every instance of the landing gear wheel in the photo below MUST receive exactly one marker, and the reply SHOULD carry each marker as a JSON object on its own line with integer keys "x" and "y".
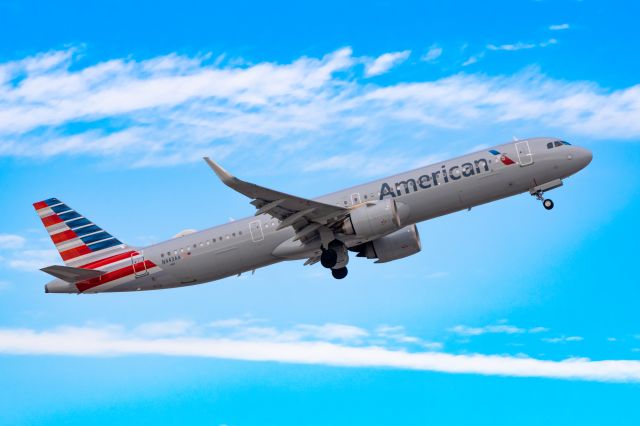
{"x": 548, "y": 204}
{"x": 339, "y": 273}
{"x": 329, "y": 258}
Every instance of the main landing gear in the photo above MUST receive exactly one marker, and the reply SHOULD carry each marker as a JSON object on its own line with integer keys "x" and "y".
{"x": 335, "y": 257}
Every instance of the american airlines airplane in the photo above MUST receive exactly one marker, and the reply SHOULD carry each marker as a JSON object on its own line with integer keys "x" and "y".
{"x": 376, "y": 220}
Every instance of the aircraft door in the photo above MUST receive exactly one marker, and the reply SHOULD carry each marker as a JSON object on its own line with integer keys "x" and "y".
{"x": 138, "y": 264}
{"x": 255, "y": 228}
{"x": 525, "y": 157}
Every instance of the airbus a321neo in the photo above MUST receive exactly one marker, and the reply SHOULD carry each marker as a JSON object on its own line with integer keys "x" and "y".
{"x": 376, "y": 220}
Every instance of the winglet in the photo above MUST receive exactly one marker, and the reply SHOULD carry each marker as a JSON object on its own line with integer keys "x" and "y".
{"x": 224, "y": 175}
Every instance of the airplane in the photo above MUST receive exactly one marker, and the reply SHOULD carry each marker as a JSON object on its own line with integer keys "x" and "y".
{"x": 376, "y": 220}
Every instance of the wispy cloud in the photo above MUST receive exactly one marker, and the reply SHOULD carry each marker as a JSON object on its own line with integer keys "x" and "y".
{"x": 10, "y": 241}
{"x": 559, "y": 27}
{"x": 32, "y": 260}
{"x": 473, "y": 59}
{"x": 521, "y": 46}
{"x": 385, "y": 62}
{"x": 118, "y": 341}
{"x": 464, "y": 330}
{"x": 432, "y": 54}
{"x": 174, "y": 109}
{"x": 27, "y": 255}
{"x": 563, "y": 339}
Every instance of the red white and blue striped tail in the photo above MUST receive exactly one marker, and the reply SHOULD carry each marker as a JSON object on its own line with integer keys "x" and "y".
{"x": 79, "y": 241}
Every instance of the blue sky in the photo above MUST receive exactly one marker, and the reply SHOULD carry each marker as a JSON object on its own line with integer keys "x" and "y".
{"x": 510, "y": 314}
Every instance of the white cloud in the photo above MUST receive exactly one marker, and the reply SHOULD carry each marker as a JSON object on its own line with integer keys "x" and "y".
{"x": 563, "y": 339}
{"x": 174, "y": 109}
{"x": 233, "y": 322}
{"x": 385, "y": 62}
{"x": 432, "y": 54}
{"x": 165, "y": 328}
{"x": 116, "y": 341}
{"x": 538, "y": 330}
{"x": 502, "y": 328}
{"x": 332, "y": 331}
{"x": 32, "y": 260}
{"x": 473, "y": 59}
{"x": 9, "y": 241}
{"x": 521, "y": 46}
{"x": 559, "y": 27}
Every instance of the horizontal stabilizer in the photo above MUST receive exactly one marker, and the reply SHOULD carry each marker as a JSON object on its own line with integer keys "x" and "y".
{"x": 72, "y": 275}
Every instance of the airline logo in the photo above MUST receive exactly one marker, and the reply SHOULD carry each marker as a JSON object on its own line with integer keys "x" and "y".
{"x": 503, "y": 157}
{"x": 83, "y": 244}
{"x": 75, "y": 237}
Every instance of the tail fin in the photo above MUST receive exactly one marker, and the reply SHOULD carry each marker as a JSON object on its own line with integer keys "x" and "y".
{"x": 78, "y": 240}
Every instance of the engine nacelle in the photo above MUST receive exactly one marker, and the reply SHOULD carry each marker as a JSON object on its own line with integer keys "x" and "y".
{"x": 372, "y": 219}
{"x": 394, "y": 246}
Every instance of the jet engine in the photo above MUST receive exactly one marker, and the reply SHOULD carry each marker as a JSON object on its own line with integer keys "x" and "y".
{"x": 397, "y": 245}
{"x": 372, "y": 219}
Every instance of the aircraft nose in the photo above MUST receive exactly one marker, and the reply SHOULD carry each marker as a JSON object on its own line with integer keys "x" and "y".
{"x": 584, "y": 156}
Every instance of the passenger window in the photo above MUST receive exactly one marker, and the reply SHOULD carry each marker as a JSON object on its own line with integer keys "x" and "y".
{"x": 558, "y": 143}
{"x": 234, "y": 234}
{"x": 550, "y": 145}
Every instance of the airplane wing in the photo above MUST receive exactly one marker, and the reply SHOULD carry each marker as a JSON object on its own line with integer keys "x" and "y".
{"x": 306, "y": 216}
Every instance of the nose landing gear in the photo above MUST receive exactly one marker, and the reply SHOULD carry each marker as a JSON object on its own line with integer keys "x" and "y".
{"x": 538, "y": 192}
{"x": 546, "y": 203}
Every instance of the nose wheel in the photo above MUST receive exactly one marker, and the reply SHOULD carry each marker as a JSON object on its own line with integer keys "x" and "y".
{"x": 546, "y": 203}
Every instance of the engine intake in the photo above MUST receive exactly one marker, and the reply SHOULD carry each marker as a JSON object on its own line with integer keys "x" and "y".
{"x": 373, "y": 219}
{"x": 397, "y": 245}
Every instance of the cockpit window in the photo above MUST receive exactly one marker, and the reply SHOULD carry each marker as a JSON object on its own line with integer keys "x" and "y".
{"x": 565, "y": 142}
{"x": 550, "y": 145}
{"x": 557, "y": 143}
